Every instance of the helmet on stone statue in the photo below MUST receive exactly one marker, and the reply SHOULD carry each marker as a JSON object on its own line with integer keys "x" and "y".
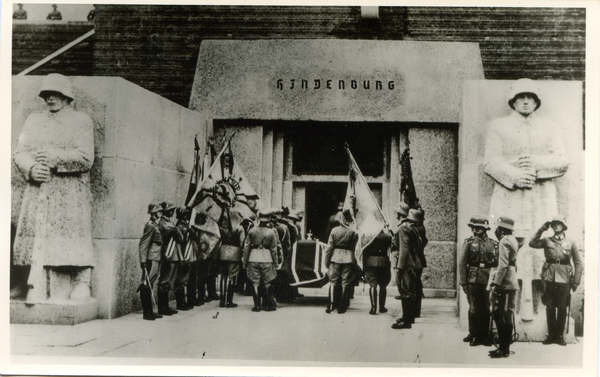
{"x": 524, "y": 86}
{"x": 58, "y": 83}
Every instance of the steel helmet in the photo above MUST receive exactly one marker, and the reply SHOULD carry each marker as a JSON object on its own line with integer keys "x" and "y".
{"x": 154, "y": 207}
{"x": 402, "y": 208}
{"x": 506, "y": 223}
{"x": 416, "y": 215}
{"x": 55, "y": 82}
{"x": 560, "y": 219}
{"x": 524, "y": 86}
{"x": 479, "y": 222}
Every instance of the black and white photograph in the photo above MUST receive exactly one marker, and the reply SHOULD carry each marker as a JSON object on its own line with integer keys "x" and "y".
{"x": 392, "y": 188}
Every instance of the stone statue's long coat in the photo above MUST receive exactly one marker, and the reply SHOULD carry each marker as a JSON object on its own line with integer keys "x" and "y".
{"x": 58, "y": 212}
{"x": 540, "y": 139}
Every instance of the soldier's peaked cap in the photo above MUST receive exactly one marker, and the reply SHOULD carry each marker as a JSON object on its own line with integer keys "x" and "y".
{"x": 55, "y": 82}
{"x": 524, "y": 86}
{"x": 264, "y": 215}
{"x": 167, "y": 206}
{"x": 417, "y": 215}
{"x": 154, "y": 207}
{"x": 479, "y": 222}
{"x": 560, "y": 219}
{"x": 506, "y": 223}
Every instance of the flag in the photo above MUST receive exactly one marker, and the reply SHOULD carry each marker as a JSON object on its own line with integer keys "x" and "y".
{"x": 196, "y": 171}
{"x": 408, "y": 193}
{"x": 367, "y": 218}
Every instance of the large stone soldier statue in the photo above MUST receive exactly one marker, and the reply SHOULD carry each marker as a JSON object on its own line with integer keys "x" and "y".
{"x": 524, "y": 153}
{"x": 558, "y": 275}
{"x": 479, "y": 254}
{"x": 55, "y": 153}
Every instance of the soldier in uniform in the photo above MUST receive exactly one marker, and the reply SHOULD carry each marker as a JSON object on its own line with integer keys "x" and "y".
{"x": 557, "y": 275}
{"x": 376, "y": 257}
{"x": 332, "y": 221}
{"x": 183, "y": 258}
{"x": 260, "y": 258}
{"x": 150, "y": 254}
{"x": 401, "y": 214}
{"x": 479, "y": 254}
{"x": 20, "y": 14}
{"x": 55, "y": 14}
{"x": 168, "y": 268}
{"x": 503, "y": 285}
{"x": 419, "y": 216}
{"x": 230, "y": 255}
{"x": 340, "y": 262}
{"x": 410, "y": 241}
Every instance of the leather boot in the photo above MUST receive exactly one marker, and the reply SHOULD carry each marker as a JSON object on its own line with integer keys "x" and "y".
{"x": 561, "y": 318}
{"x": 406, "y": 321}
{"x": 469, "y": 338}
{"x": 256, "y": 299}
{"x": 163, "y": 303}
{"x": 211, "y": 286}
{"x": 201, "y": 292}
{"x": 230, "y": 292}
{"x": 180, "y": 299}
{"x": 146, "y": 303}
{"x": 344, "y": 300}
{"x": 382, "y": 297}
{"x": 373, "y": 297}
{"x": 551, "y": 323}
{"x": 270, "y": 307}
{"x": 222, "y": 291}
{"x": 332, "y": 304}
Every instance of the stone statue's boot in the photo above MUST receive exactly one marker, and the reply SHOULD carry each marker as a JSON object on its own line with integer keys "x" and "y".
{"x": 382, "y": 297}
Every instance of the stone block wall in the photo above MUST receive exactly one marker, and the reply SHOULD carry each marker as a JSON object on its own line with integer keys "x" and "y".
{"x": 144, "y": 147}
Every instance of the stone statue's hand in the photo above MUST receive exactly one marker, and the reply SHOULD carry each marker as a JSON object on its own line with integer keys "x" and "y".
{"x": 526, "y": 180}
{"x": 40, "y": 173}
{"x": 46, "y": 158}
{"x": 525, "y": 162}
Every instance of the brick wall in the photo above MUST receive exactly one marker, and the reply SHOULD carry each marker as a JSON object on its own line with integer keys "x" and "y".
{"x": 157, "y": 46}
{"x": 33, "y": 41}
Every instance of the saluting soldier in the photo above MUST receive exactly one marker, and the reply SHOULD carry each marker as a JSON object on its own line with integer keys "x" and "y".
{"x": 260, "y": 258}
{"x": 340, "y": 262}
{"x": 168, "y": 268}
{"x": 150, "y": 255}
{"x": 479, "y": 254}
{"x": 376, "y": 257}
{"x": 410, "y": 241}
{"x": 562, "y": 256}
{"x": 503, "y": 285}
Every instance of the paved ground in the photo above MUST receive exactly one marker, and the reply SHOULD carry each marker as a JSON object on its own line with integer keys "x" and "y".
{"x": 296, "y": 334}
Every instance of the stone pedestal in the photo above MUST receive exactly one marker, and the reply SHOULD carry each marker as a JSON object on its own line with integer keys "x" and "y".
{"x": 53, "y": 312}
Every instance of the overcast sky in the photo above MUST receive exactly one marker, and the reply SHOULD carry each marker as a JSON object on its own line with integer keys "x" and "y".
{"x": 70, "y": 12}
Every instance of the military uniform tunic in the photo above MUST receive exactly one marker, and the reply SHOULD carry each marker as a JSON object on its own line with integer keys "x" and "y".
{"x": 260, "y": 254}
{"x": 339, "y": 256}
{"x": 377, "y": 261}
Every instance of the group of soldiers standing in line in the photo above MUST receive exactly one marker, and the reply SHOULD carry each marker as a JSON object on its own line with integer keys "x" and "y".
{"x": 405, "y": 245}
{"x": 488, "y": 276}
{"x": 171, "y": 252}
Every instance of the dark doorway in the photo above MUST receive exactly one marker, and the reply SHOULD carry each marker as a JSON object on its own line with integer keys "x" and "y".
{"x": 321, "y": 199}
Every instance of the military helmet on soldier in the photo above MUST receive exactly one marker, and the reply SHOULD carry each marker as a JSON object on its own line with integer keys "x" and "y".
{"x": 264, "y": 216}
{"x": 506, "y": 223}
{"x": 479, "y": 222}
{"x": 402, "y": 208}
{"x": 416, "y": 215}
{"x": 57, "y": 83}
{"x": 521, "y": 87}
{"x": 561, "y": 220}
{"x": 154, "y": 207}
